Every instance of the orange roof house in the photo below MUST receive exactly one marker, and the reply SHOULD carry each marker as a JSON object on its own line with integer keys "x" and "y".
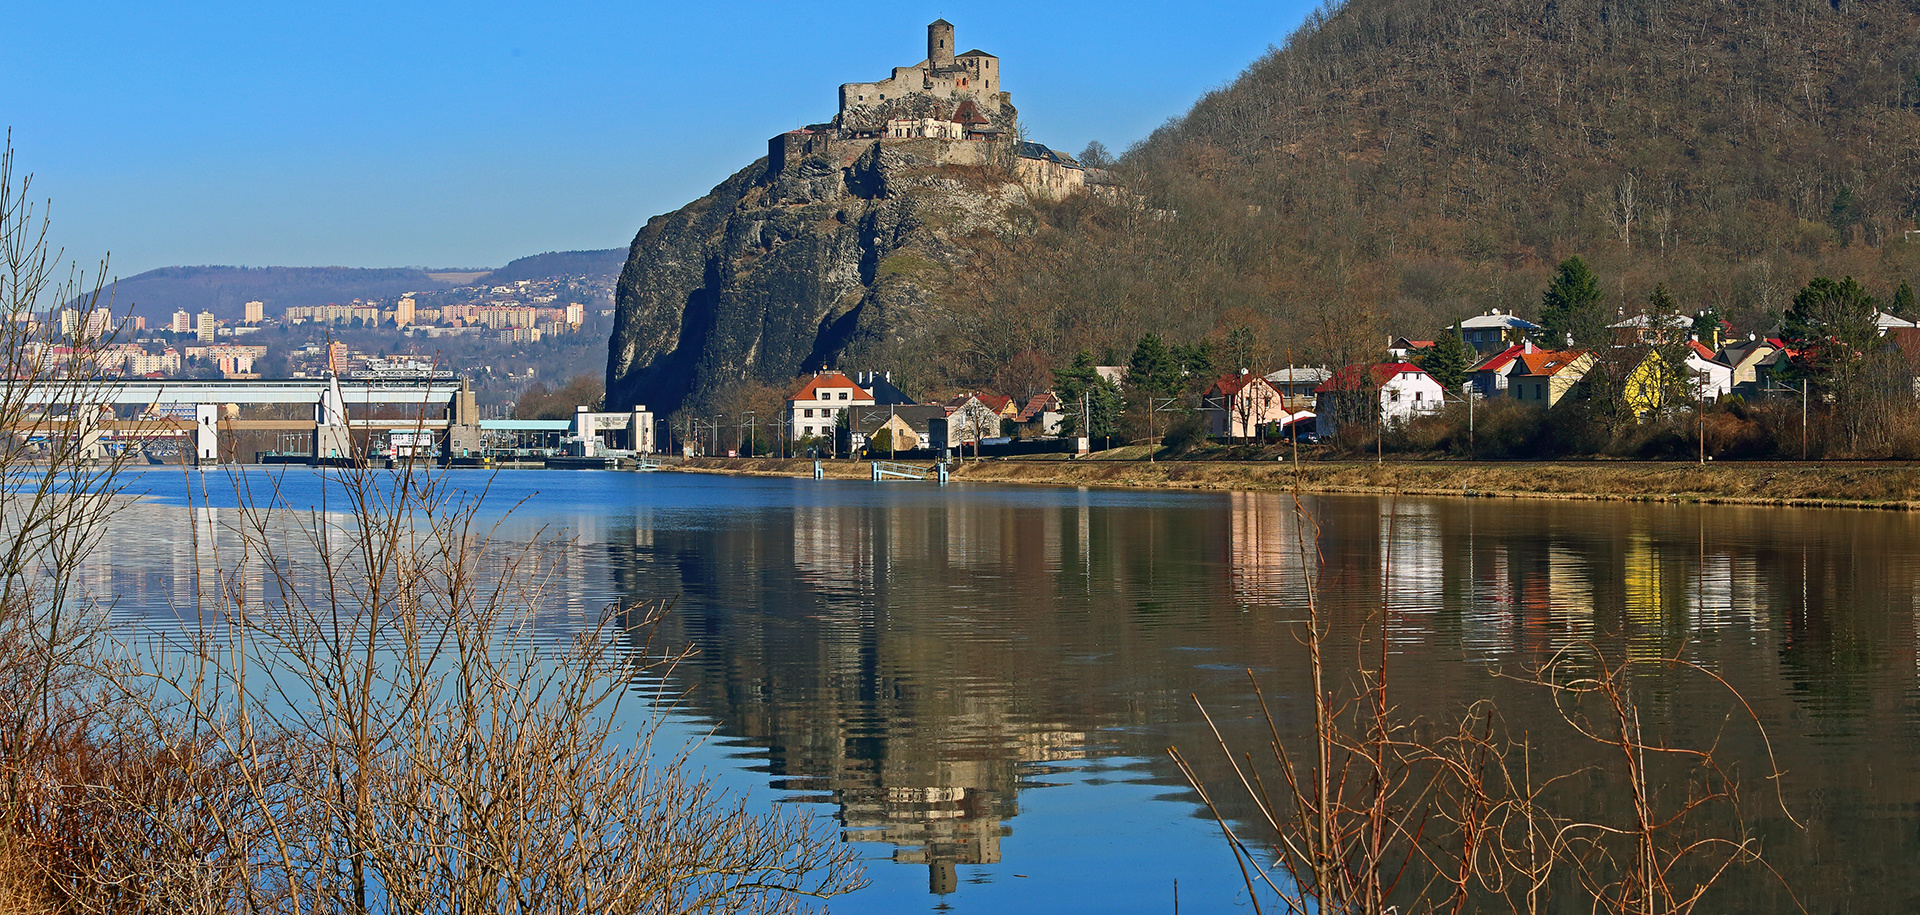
{"x": 1545, "y": 376}
{"x": 815, "y": 409}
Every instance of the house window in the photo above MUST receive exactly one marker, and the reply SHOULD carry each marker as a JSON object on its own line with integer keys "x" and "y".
{"x": 809, "y": 430}
{"x": 808, "y": 413}
{"x": 1417, "y": 395}
{"x": 843, "y": 395}
{"x": 1539, "y": 392}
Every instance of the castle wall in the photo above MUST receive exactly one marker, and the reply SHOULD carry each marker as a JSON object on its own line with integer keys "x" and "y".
{"x": 1048, "y": 180}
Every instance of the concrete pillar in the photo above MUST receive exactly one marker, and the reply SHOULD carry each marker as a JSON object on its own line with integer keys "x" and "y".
{"x": 332, "y": 441}
{"x": 640, "y": 431}
{"x": 585, "y": 438}
{"x": 206, "y": 433}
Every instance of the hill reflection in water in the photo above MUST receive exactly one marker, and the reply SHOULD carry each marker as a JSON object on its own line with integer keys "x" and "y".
{"x": 920, "y": 660}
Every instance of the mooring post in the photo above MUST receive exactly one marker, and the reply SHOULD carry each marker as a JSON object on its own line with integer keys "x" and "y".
{"x": 941, "y": 469}
{"x": 876, "y": 471}
{"x": 817, "y": 472}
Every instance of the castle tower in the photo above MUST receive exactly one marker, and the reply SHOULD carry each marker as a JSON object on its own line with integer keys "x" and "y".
{"x": 940, "y": 44}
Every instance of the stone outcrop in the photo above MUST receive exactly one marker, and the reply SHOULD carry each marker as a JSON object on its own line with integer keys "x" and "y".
{"x": 826, "y": 253}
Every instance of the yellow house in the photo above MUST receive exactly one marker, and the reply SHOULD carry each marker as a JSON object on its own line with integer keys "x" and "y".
{"x": 1545, "y": 376}
{"x": 1645, "y": 389}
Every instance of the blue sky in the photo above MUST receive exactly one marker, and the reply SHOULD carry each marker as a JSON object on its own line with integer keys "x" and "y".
{"x": 449, "y": 135}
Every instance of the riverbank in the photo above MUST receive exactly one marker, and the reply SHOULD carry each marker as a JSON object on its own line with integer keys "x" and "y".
{"x": 1816, "y": 484}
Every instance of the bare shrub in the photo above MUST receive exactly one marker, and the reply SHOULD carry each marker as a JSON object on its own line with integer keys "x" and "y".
{"x": 1372, "y": 812}
{"x": 448, "y": 760}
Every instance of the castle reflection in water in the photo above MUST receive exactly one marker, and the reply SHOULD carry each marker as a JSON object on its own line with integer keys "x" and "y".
{"x": 915, "y": 657}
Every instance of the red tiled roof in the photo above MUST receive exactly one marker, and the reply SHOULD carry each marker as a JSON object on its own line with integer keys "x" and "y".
{"x": 1499, "y": 360}
{"x": 968, "y": 113}
{"x": 810, "y": 390}
{"x": 1548, "y": 362}
{"x": 1355, "y": 377}
{"x": 1036, "y": 405}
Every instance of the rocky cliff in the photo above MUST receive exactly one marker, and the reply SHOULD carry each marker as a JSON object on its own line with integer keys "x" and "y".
{"x": 827, "y": 253}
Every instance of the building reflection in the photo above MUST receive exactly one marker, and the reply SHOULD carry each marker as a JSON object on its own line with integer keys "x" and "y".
{"x": 916, "y": 658}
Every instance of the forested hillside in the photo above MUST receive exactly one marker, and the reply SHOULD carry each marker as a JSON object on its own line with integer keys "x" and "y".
{"x": 1399, "y": 164}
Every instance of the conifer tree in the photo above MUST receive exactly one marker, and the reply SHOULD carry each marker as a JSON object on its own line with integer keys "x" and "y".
{"x": 1152, "y": 367}
{"x": 1829, "y": 323}
{"x": 1446, "y": 360}
{"x": 1086, "y": 399}
{"x": 1903, "y": 304}
{"x": 1570, "y": 308}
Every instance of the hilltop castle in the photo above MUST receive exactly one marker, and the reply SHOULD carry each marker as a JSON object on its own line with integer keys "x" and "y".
{"x": 947, "y": 96}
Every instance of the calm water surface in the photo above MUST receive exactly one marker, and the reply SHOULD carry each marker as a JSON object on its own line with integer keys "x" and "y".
{"x": 979, "y": 684}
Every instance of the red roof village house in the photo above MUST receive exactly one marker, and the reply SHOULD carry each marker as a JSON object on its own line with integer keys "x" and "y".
{"x": 814, "y": 410}
{"x": 1404, "y": 391}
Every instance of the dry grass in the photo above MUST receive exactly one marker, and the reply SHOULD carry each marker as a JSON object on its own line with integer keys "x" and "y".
{"x": 1894, "y": 485}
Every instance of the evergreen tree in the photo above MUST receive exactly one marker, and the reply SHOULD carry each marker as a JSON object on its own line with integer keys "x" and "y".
{"x": 1084, "y": 396}
{"x": 1903, "y": 304}
{"x": 1199, "y": 365}
{"x": 1153, "y": 368}
{"x": 1660, "y": 301}
{"x": 1446, "y": 360}
{"x": 1570, "y": 308}
{"x": 1829, "y": 324}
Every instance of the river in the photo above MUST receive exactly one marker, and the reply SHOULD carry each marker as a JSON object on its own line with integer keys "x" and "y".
{"x": 980, "y": 683}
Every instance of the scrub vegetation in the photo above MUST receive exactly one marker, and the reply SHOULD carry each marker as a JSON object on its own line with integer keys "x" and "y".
{"x": 368, "y": 717}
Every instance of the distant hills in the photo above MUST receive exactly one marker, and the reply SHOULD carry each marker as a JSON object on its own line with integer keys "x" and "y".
{"x": 157, "y": 294}
{"x": 606, "y": 262}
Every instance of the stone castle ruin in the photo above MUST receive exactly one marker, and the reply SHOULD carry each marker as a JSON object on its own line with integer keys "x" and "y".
{"x": 955, "y": 100}
{"x": 946, "y": 96}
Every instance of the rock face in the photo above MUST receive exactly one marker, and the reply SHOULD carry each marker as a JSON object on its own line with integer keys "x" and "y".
{"x": 827, "y": 253}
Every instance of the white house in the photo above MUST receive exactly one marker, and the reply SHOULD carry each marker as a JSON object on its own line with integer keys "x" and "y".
{"x": 1404, "y": 389}
{"x": 1713, "y": 377}
{"x": 814, "y": 410}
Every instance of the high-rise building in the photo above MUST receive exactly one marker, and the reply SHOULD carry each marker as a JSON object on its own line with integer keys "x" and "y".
{"x": 182, "y": 322}
{"x": 207, "y": 326}
{"x": 256, "y": 312}
{"x": 99, "y": 323}
{"x": 337, "y": 358}
{"x": 403, "y": 311}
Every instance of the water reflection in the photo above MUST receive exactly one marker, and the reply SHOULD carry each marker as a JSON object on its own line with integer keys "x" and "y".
{"x": 916, "y": 659}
